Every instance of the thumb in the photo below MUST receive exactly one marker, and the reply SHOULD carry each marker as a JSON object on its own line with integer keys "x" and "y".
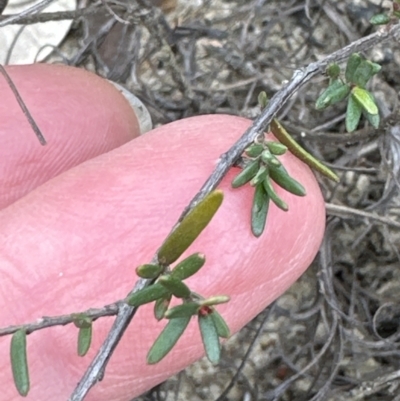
{"x": 74, "y": 242}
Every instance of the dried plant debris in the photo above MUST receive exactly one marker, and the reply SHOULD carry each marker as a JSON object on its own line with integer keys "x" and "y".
{"x": 335, "y": 335}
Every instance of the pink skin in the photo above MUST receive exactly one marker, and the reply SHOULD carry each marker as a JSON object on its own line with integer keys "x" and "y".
{"x": 73, "y": 242}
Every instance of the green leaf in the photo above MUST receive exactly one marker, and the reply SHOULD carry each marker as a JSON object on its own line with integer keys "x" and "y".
{"x": 146, "y": 295}
{"x": 260, "y": 176}
{"x": 175, "y": 286}
{"x": 363, "y": 73}
{"x": 19, "y": 362}
{"x": 188, "y": 266}
{"x": 210, "y": 338}
{"x": 259, "y": 210}
{"x": 161, "y": 306}
{"x": 335, "y": 93}
{"x": 374, "y": 119}
{"x": 215, "y": 300}
{"x": 282, "y": 178}
{"x": 84, "y": 340}
{"x": 284, "y": 137}
{"x": 254, "y": 150}
{"x": 333, "y": 71}
{"x": 190, "y": 228}
{"x": 269, "y": 159}
{"x": 185, "y": 310}
{"x": 246, "y": 174}
{"x": 352, "y": 64}
{"x": 380, "y": 19}
{"x": 167, "y": 339}
{"x": 365, "y": 99}
{"x": 220, "y": 324}
{"x": 353, "y": 114}
{"x": 149, "y": 271}
{"x": 277, "y": 148}
{"x": 269, "y": 189}
{"x": 262, "y": 99}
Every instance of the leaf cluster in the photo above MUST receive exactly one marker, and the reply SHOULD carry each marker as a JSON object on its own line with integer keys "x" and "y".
{"x": 262, "y": 167}
{"x": 359, "y": 100}
{"x": 168, "y": 283}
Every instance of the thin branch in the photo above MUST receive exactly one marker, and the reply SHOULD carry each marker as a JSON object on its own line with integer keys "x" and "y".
{"x": 349, "y": 212}
{"x": 24, "y": 109}
{"x": 96, "y": 369}
{"x": 29, "y": 11}
{"x": 55, "y": 16}
{"x": 62, "y": 320}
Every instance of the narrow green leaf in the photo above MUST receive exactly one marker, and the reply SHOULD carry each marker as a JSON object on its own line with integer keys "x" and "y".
{"x": 175, "y": 286}
{"x": 284, "y": 137}
{"x": 149, "y": 271}
{"x": 375, "y": 67}
{"x": 167, "y": 339}
{"x": 210, "y": 338}
{"x": 260, "y": 176}
{"x": 189, "y": 266}
{"x": 215, "y": 300}
{"x": 161, "y": 306}
{"x": 335, "y": 93}
{"x": 259, "y": 211}
{"x": 380, "y": 19}
{"x": 269, "y": 189}
{"x": 262, "y": 99}
{"x": 353, "y": 114}
{"x": 220, "y": 324}
{"x": 185, "y": 310}
{"x": 84, "y": 340}
{"x": 246, "y": 174}
{"x": 190, "y": 228}
{"x": 277, "y": 148}
{"x": 254, "y": 150}
{"x": 282, "y": 178}
{"x": 146, "y": 295}
{"x": 269, "y": 159}
{"x": 365, "y": 99}
{"x": 19, "y": 362}
{"x": 374, "y": 119}
{"x": 363, "y": 73}
{"x": 352, "y": 63}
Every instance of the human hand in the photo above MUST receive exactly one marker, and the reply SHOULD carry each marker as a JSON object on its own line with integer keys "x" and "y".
{"x": 71, "y": 237}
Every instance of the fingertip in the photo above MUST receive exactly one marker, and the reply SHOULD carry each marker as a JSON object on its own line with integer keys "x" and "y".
{"x": 80, "y": 115}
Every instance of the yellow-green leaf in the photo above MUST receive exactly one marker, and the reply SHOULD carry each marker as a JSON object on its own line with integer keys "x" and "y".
{"x": 190, "y": 228}
{"x": 365, "y": 99}
{"x": 283, "y": 136}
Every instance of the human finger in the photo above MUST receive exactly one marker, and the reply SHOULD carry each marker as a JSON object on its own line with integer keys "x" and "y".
{"x": 73, "y": 244}
{"x": 80, "y": 114}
